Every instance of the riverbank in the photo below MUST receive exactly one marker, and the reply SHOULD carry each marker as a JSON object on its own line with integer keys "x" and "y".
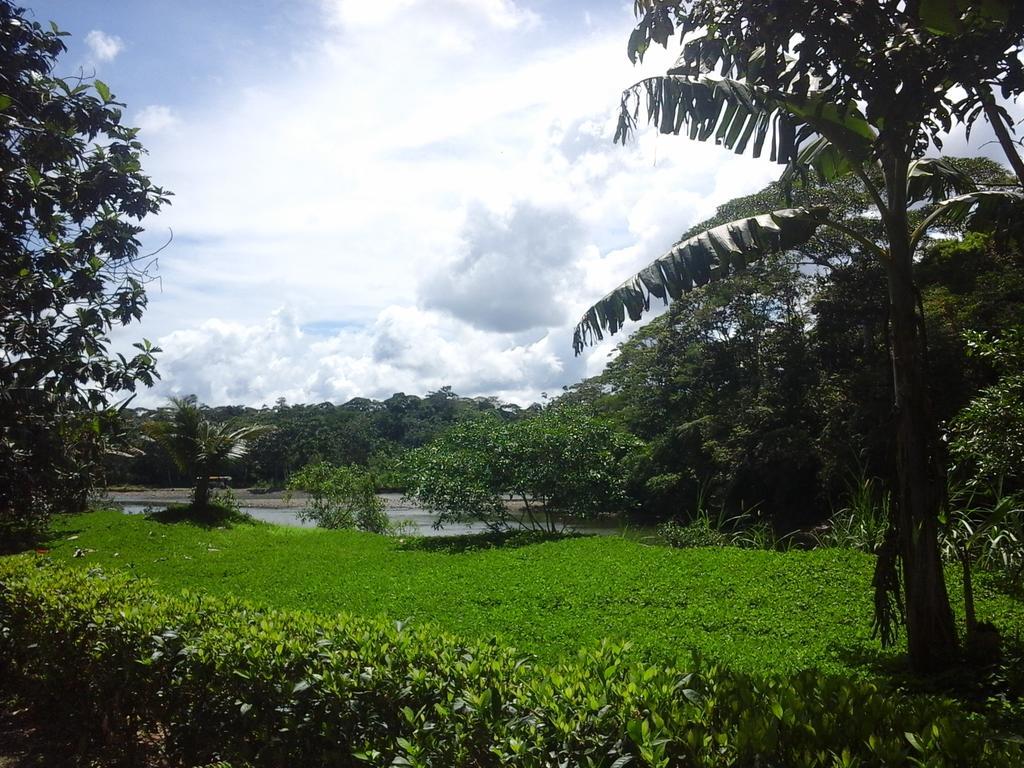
{"x": 247, "y": 497}
{"x": 283, "y": 508}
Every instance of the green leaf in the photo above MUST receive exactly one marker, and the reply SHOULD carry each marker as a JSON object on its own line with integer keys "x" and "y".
{"x": 914, "y": 741}
{"x": 103, "y": 90}
{"x": 935, "y": 179}
{"x": 5, "y": 102}
{"x": 984, "y": 208}
{"x": 704, "y": 258}
{"x": 945, "y": 17}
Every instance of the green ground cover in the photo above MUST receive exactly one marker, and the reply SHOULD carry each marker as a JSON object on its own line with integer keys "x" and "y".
{"x": 757, "y": 611}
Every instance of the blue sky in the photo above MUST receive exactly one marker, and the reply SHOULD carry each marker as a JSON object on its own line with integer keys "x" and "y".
{"x": 386, "y": 196}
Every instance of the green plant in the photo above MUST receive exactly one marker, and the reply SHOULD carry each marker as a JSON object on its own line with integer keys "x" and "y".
{"x": 988, "y": 434}
{"x": 985, "y": 529}
{"x": 755, "y": 610}
{"x": 341, "y": 497}
{"x": 199, "y": 447}
{"x": 231, "y": 681}
{"x": 864, "y": 522}
{"x": 71, "y": 271}
{"x": 695, "y": 533}
{"x": 222, "y": 511}
{"x": 560, "y": 463}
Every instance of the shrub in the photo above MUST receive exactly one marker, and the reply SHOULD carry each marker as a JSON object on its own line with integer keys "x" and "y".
{"x": 560, "y": 463}
{"x": 696, "y": 533}
{"x": 341, "y": 497}
{"x": 745, "y": 530}
{"x": 222, "y": 509}
{"x": 224, "y": 680}
{"x": 864, "y": 522}
{"x": 985, "y": 529}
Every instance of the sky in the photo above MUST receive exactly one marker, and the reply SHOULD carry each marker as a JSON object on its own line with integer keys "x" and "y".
{"x": 379, "y": 196}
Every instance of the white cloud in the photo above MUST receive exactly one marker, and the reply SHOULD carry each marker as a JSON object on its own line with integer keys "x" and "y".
{"x": 438, "y": 217}
{"x": 102, "y": 46}
{"x": 406, "y": 349}
{"x": 504, "y": 14}
{"x": 512, "y": 271}
{"x": 155, "y": 118}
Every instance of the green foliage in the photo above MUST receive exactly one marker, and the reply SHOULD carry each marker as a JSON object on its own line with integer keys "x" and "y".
{"x": 754, "y": 610}
{"x": 986, "y": 529}
{"x": 222, "y": 510}
{"x": 721, "y": 387}
{"x": 699, "y": 532}
{"x": 561, "y": 462}
{"x": 703, "y": 530}
{"x": 988, "y": 434}
{"x": 864, "y": 522}
{"x": 341, "y": 497}
{"x": 749, "y": 70}
{"x": 366, "y": 432}
{"x": 225, "y": 680}
{"x": 70, "y": 272}
{"x": 772, "y": 387}
{"x": 199, "y": 447}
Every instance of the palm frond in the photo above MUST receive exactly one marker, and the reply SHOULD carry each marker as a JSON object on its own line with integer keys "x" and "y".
{"x": 934, "y": 179}
{"x": 737, "y": 115}
{"x": 706, "y": 257}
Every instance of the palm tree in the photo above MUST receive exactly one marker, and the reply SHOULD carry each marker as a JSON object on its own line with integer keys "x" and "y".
{"x": 845, "y": 87}
{"x": 198, "y": 447}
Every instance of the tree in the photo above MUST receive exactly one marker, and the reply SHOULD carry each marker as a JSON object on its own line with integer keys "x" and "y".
{"x": 198, "y": 447}
{"x": 73, "y": 194}
{"x": 988, "y": 434}
{"x": 559, "y": 463}
{"x": 341, "y": 497}
{"x": 748, "y": 69}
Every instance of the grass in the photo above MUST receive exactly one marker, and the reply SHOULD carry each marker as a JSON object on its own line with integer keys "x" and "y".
{"x": 757, "y": 611}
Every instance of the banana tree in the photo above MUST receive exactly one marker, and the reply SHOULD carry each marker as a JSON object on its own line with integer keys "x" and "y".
{"x": 852, "y": 88}
{"x": 198, "y": 447}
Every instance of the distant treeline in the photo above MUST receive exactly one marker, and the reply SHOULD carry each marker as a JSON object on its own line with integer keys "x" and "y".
{"x": 361, "y": 431}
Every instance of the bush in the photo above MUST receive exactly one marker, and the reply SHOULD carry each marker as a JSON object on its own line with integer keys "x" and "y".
{"x": 864, "y": 522}
{"x": 224, "y": 680}
{"x": 561, "y": 463}
{"x": 696, "y": 533}
{"x": 703, "y": 529}
{"x": 341, "y": 497}
{"x": 221, "y": 510}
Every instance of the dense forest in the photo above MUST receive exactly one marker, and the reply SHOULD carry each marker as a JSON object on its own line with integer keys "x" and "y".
{"x": 772, "y": 391}
{"x": 361, "y": 431}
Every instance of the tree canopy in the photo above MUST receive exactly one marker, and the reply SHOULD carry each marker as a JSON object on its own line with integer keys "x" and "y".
{"x": 560, "y": 463}
{"x": 71, "y": 269}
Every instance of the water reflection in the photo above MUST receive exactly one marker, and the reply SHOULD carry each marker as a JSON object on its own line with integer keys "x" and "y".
{"x": 399, "y": 511}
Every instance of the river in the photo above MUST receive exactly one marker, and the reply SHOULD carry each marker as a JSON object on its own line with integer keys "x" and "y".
{"x": 278, "y": 509}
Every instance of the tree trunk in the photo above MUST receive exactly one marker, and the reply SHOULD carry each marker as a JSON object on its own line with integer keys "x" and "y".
{"x": 931, "y": 631}
{"x": 202, "y": 495}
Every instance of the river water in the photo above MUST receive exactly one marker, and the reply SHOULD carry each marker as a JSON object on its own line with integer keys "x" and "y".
{"x": 402, "y": 512}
